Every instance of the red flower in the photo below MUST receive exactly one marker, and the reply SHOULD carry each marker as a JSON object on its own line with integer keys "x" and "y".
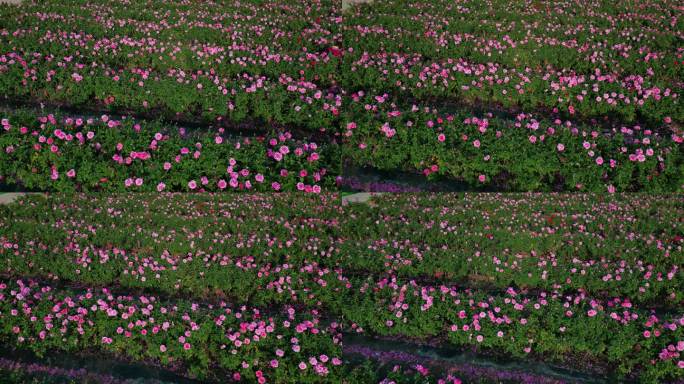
{"x": 336, "y": 52}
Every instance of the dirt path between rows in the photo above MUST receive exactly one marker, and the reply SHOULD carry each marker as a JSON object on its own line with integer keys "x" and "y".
{"x": 10, "y": 197}
{"x": 361, "y": 197}
{"x": 348, "y": 3}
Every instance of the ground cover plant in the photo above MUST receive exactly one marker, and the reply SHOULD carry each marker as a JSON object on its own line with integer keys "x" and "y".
{"x": 578, "y": 280}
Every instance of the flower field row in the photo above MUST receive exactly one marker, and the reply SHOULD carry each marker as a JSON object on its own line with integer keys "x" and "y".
{"x": 592, "y": 60}
{"x": 210, "y": 342}
{"x": 320, "y": 251}
{"x": 499, "y": 96}
{"x": 269, "y": 61}
{"x": 281, "y": 61}
{"x": 63, "y": 153}
{"x": 525, "y": 152}
{"x": 241, "y": 341}
{"x": 521, "y": 96}
{"x": 566, "y": 278}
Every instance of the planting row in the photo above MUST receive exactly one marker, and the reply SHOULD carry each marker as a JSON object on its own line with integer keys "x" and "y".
{"x": 62, "y": 153}
{"x": 511, "y": 96}
{"x": 593, "y": 59}
{"x": 496, "y": 96}
{"x": 263, "y": 249}
{"x": 215, "y": 340}
{"x": 265, "y": 61}
{"x": 240, "y": 341}
{"x": 565, "y": 278}
{"x": 284, "y": 61}
{"x": 210, "y": 342}
{"x": 523, "y": 152}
